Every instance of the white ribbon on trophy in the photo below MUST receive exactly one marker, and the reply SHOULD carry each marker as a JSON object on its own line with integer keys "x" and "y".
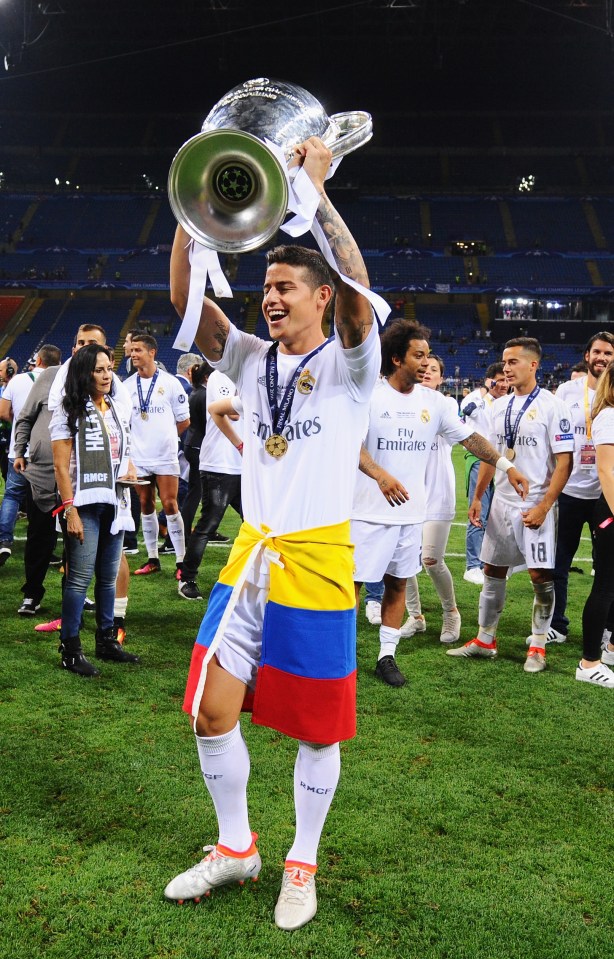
{"x": 303, "y": 201}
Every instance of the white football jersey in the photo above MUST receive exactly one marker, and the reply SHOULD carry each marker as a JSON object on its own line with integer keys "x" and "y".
{"x": 544, "y": 430}
{"x": 603, "y": 427}
{"x": 402, "y": 430}
{"x": 16, "y": 392}
{"x": 440, "y": 478}
{"x": 217, "y": 454}
{"x": 313, "y": 483}
{"x": 154, "y": 440}
{"x": 583, "y": 482}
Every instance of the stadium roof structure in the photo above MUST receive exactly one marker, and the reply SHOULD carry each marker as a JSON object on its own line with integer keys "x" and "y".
{"x": 152, "y": 55}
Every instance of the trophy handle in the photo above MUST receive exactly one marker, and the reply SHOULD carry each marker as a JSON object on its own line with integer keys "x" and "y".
{"x": 352, "y": 129}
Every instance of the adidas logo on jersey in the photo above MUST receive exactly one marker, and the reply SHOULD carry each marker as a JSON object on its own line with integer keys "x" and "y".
{"x": 385, "y": 415}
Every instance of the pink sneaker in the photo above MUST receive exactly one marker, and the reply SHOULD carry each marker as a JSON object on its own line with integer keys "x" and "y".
{"x": 51, "y": 627}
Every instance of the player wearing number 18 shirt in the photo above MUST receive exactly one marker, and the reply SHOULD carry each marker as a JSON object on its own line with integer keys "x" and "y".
{"x": 533, "y": 428}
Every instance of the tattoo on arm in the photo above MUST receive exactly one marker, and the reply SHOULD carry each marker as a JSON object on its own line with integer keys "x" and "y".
{"x": 343, "y": 245}
{"x": 220, "y": 335}
{"x": 481, "y": 448}
{"x": 367, "y": 464}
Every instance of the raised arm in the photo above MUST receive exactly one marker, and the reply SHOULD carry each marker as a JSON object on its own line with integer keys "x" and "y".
{"x": 353, "y": 313}
{"x": 213, "y": 327}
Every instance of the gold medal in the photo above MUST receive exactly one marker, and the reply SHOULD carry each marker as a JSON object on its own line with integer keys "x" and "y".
{"x": 510, "y": 454}
{"x": 144, "y": 415}
{"x": 276, "y": 445}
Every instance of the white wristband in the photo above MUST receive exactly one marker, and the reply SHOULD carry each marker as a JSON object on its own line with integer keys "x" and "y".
{"x": 503, "y": 464}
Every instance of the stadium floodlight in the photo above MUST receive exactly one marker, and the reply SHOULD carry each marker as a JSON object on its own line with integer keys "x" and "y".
{"x": 526, "y": 184}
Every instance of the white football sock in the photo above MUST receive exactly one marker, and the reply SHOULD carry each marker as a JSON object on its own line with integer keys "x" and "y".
{"x": 176, "y": 531}
{"x": 492, "y": 599}
{"x": 316, "y": 774}
{"x": 543, "y": 610}
{"x": 120, "y": 606}
{"x": 224, "y": 761}
{"x": 389, "y": 640}
{"x": 149, "y": 525}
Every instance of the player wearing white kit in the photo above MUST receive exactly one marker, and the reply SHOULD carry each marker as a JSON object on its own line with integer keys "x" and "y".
{"x": 404, "y": 419}
{"x": 440, "y": 482}
{"x": 533, "y": 428}
{"x": 281, "y": 616}
{"x": 578, "y": 499}
{"x": 160, "y": 413}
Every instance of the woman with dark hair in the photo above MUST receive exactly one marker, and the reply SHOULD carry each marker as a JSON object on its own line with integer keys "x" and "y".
{"x": 90, "y": 439}
{"x": 594, "y": 667}
{"x": 192, "y": 441}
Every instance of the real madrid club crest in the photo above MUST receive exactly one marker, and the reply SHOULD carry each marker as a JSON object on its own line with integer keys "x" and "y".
{"x": 531, "y": 415}
{"x": 306, "y": 383}
{"x": 425, "y": 416}
{"x": 161, "y": 390}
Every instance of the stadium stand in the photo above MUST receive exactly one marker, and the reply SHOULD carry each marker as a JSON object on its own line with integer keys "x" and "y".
{"x": 86, "y": 228}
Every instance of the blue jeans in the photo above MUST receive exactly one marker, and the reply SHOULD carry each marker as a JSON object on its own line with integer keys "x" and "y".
{"x": 99, "y": 554}
{"x": 14, "y": 492}
{"x": 475, "y": 535}
{"x": 374, "y": 592}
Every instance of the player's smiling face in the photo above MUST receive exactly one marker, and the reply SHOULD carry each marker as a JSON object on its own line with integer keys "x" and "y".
{"x": 293, "y": 309}
{"x": 143, "y": 359}
{"x": 598, "y": 357}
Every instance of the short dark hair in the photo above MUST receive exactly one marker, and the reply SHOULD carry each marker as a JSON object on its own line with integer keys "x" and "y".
{"x": 87, "y": 328}
{"x": 150, "y": 341}
{"x": 495, "y": 369}
{"x": 604, "y": 335}
{"x": 49, "y": 355}
{"x": 528, "y": 343}
{"x": 311, "y": 261}
{"x": 580, "y": 367}
{"x": 396, "y": 339}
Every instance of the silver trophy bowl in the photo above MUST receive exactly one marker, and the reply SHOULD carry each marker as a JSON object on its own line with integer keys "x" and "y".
{"x": 227, "y": 189}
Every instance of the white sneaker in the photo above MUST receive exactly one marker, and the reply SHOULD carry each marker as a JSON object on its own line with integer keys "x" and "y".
{"x": 474, "y": 575}
{"x": 552, "y": 636}
{"x": 535, "y": 661}
{"x": 216, "y": 869}
{"x": 373, "y": 612}
{"x": 413, "y": 625}
{"x": 297, "y": 902}
{"x": 607, "y": 656}
{"x": 597, "y": 675}
{"x": 451, "y": 627}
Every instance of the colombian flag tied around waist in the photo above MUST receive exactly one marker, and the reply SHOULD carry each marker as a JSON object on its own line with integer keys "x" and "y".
{"x": 306, "y": 682}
